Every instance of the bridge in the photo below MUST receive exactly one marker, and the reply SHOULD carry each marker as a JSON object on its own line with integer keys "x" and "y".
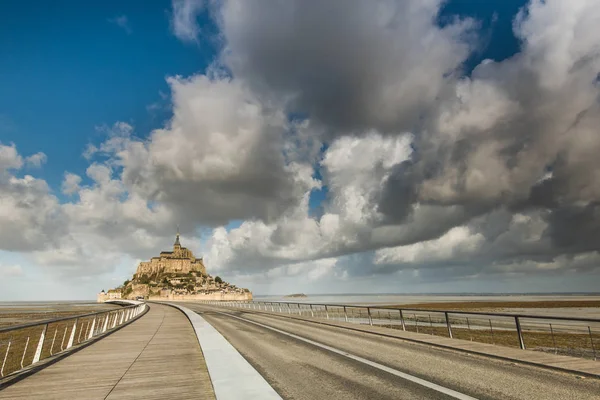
{"x": 261, "y": 350}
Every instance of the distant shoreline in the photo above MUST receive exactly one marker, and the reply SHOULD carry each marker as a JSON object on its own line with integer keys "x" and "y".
{"x": 444, "y": 294}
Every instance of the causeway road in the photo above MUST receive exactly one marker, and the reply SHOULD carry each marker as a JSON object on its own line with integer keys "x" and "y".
{"x": 303, "y": 360}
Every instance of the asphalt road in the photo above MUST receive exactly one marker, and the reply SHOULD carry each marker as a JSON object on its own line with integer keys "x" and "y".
{"x": 300, "y": 370}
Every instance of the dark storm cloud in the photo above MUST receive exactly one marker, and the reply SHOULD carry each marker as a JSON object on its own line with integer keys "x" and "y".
{"x": 509, "y": 151}
{"x": 351, "y": 65}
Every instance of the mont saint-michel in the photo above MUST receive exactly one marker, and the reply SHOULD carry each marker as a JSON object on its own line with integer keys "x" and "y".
{"x": 175, "y": 275}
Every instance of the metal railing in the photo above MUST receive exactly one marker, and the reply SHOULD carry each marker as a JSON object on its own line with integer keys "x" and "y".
{"x": 24, "y": 345}
{"x": 578, "y": 337}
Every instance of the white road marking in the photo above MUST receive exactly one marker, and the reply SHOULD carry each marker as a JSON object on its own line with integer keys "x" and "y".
{"x": 400, "y": 374}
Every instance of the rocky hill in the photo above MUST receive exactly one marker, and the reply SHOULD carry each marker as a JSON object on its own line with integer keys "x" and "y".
{"x": 177, "y": 275}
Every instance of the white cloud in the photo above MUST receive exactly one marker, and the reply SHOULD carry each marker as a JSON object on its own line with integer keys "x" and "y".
{"x": 122, "y": 22}
{"x": 9, "y": 158}
{"x": 10, "y": 271}
{"x": 355, "y": 170}
{"x": 36, "y": 160}
{"x": 184, "y": 19}
{"x": 70, "y": 184}
{"x": 429, "y": 174}
{"x": 457, "y": 243}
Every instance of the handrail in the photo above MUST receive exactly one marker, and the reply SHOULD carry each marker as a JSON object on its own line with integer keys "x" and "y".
{"x": 29, "y": 347}
{"x": 568, "y": 336}
{"x": 50, "y": 321}
{"x": 556, "y": 317}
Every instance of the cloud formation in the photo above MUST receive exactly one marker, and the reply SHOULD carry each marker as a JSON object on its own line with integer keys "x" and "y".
{"x": 514, "y": 137}
{"x": 429, "y": 171}
{"x": 122, "y": 22}
{"x": 183, "y": 20}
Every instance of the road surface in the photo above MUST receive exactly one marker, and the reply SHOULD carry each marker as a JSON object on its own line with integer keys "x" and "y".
{"x": 325, "y": 362}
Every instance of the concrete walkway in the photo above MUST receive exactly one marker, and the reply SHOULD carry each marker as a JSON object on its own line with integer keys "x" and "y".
{"x": 564, "y": 363}
{"x": 156, "y": 357}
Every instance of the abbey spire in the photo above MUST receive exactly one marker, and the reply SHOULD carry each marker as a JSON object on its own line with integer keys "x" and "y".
{"x": 177, "y": 245}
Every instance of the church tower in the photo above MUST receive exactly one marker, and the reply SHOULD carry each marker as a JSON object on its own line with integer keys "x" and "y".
{"x": 177, "y": 245}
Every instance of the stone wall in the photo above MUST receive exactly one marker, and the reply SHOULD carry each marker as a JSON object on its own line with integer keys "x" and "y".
{"x": 218, "y": 296}
{"x": 102, "y": 297}
{"x": 162, "y": 265}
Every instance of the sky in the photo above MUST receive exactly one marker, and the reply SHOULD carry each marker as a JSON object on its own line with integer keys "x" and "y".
{"x": 340, "y": 146}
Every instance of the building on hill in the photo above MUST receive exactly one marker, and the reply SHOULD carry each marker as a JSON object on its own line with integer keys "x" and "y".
{"x": 177, "y": 275}
{"x": 110, "y": 295}
{"x": 180, "y": 260}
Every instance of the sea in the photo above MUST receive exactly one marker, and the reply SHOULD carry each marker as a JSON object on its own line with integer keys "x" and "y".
{"x": 398, "y": 299}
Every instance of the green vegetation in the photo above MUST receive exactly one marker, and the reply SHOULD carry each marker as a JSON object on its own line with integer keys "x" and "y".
{"x": 218, "y": 279}
{"x": 127, "y": 291}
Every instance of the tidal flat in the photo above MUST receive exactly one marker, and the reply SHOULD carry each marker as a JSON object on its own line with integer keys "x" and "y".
{"x": 575, "y": 305}
{"x": 17, "y": 313}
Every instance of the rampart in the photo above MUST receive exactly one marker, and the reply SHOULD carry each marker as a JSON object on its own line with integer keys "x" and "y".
{"x": 202, "y": 297}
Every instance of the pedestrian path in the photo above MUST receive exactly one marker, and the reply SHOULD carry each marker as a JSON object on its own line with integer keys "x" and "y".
{"x": 155, "y": 357}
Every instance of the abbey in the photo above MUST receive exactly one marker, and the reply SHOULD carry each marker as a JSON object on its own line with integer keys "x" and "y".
{"x": 175, "y": 275}
{"x": 180, "y": 260}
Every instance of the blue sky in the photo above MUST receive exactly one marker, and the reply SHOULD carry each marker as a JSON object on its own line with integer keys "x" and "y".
{"x": 71, "y": 70}
{"x": 68, "y": 67}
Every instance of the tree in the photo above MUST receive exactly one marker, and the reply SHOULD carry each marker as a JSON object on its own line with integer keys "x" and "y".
{"x": 218, "y": 279}
{"x": 190, "y": 288}
{"x": 126, "y": 282}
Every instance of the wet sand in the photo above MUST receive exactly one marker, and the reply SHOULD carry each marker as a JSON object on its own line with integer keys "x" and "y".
{"x": 18, "y": 313}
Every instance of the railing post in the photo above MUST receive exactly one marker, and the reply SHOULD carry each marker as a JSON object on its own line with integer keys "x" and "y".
{"x": 402, "y": 321}
{"x": 24, "y": 351}
{"x": 87, "y": 325}
{"x": 53, "y": 339}
{"x": 289, "y": 308}
{"x": 91, "y": 334}
{"x": 345, "y": 314}
{"x": 312, "y": 314}
{"x": 72, "y": 337}
{"x": 448, "y": 325}
{"x": 5, "y": 356}
{"x": 122, "y": 315}
{"x": 519, "y": 333}
{"x": 105, "y": 325}
{"x": 115, "y": 319}
{"x": 369, "y": 313}
{"x": 62, "y": 343}
{"x": 553, "y": 339}
{"x": 38, "y": 350}
{"x": 326, "y": 312}
{"x": 592, "y": 340}
{"x": 80, "y": 332}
